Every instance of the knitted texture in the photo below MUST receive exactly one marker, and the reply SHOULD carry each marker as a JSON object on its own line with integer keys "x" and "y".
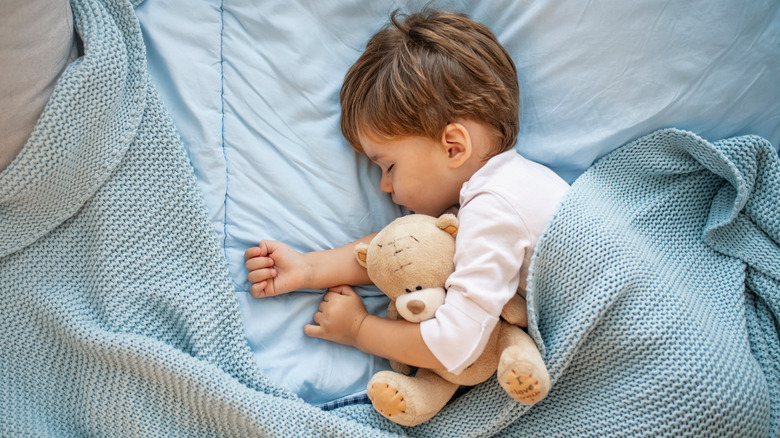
{"x": 117, "y": 315}
{"x": 656, "y": 293}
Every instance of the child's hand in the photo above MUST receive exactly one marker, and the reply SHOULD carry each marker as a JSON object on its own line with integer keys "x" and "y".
{"x": 340, "y": 316}
{"x": 274, "y": 269}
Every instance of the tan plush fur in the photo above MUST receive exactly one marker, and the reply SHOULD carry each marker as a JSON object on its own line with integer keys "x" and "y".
{"x": 409, "y": 260}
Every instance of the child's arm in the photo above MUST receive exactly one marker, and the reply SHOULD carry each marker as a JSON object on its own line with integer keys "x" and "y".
{"x": 275, "y": 268}
{"x": 343, "y": 318}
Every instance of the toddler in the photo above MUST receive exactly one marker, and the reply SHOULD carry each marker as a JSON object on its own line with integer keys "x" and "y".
{"x": 434, "y": 102}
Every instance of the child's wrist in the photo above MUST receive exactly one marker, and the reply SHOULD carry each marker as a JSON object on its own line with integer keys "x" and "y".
{"x": 308, "y": 274}
{"x": 363, "y": 341}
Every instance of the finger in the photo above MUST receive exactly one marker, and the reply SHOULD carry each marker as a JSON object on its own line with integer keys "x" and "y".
{"x": 263, "y": 247}
{"x": 256, "y": 263}
{"x": 317, "y": 318}
{"x": 258, "y": 290}
{"x": 342, "y": 290}
{"x": 312, "y": 330}
{"x": 251, "y": 253}
{"x": 259, "y": 275}
{"x": 331, "y": 296}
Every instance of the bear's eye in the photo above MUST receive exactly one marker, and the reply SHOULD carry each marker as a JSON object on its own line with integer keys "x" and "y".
{"x": 419, "y": 287}
{"x": 408, "y": 291}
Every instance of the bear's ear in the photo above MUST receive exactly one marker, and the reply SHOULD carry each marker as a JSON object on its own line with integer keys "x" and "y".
{"x": 361, "y": 254}
{"x": 449, "y": 223}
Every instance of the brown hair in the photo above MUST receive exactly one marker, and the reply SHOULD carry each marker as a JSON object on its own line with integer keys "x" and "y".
{"x": 425, "y": 70}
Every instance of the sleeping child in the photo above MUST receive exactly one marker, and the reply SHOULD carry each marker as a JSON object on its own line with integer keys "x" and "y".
{"x": 434, "y": 102}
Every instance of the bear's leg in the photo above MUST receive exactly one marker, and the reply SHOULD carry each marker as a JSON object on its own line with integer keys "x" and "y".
{"x": 408, "y": 400}
{"x": 515, "y": 311}
{"x": 521, "y": 370}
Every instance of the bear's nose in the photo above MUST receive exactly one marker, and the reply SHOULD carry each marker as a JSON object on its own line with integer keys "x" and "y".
{"x": 415, "y": 306}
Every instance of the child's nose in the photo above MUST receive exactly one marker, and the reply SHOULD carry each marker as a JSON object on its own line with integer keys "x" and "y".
{"x": 384, "y": 185}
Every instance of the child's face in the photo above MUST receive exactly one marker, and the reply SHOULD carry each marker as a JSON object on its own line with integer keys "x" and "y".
{"x": 415, "y": 172}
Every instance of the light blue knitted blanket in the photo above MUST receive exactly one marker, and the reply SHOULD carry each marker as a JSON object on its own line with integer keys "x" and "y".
{"x": 656, "y": 293}
{"x": 655, "y": 290}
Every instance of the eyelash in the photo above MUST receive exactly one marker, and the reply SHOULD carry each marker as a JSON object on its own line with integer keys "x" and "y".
{"x": 390, "y": 167}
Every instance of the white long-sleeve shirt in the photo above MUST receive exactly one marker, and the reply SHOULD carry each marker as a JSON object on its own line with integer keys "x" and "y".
{"x": 504, "y": 208}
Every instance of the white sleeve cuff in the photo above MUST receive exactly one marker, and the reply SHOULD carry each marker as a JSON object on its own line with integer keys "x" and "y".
{"x": 459, "y": 332}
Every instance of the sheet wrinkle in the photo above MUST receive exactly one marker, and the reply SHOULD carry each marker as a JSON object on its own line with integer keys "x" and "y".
{"x": 658, "y": 19}
{"x": 269, "y": 109}
{"x": 583, "y": 12}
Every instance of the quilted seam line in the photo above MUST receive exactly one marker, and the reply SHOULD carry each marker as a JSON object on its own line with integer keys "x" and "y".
{"x": 222, "y": 122}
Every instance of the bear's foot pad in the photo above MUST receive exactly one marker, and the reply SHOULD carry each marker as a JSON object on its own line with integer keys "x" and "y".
{"x": 524, "y": 388}
{"x": 386, "y": 399}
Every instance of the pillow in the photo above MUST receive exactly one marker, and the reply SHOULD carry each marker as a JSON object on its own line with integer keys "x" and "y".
{"x": 38, "y": 43}
{"x": 595, "y": 75}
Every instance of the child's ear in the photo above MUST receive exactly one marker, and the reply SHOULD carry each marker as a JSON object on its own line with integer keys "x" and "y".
{"x": 457, "y": 143}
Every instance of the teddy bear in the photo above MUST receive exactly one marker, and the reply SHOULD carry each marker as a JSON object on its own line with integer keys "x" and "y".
{"x": 409, "y": 260}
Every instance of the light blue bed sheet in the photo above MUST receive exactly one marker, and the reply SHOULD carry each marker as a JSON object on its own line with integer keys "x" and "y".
{"x": 253, "y": 89}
